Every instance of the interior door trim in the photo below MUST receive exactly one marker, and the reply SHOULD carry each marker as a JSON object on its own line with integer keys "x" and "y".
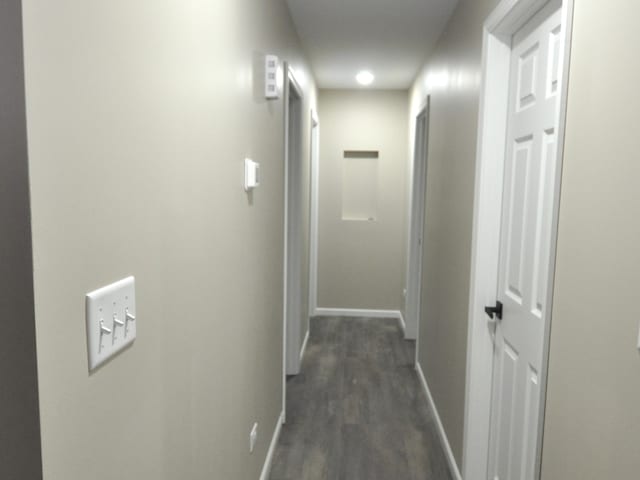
{"x": 502, "y": 23}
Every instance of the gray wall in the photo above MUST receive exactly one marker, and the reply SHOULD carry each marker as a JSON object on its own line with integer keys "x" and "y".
{"x": 592, "y": 423}
{"x": 19, "y": 418}
{"x": 361, "y": 263}
{"x": 140, "y": 115}
{"x": 592, "y": 420}
{"x": 452, "y": 78}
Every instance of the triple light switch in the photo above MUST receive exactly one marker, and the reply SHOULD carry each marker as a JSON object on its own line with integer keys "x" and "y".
{"x": 111, "y": 320}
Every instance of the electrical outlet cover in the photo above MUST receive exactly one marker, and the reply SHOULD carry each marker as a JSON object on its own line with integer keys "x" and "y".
{"x": 253, "y": 438}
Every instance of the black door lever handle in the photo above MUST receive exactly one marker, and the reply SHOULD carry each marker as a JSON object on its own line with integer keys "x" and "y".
{"x": 497, "y": 311}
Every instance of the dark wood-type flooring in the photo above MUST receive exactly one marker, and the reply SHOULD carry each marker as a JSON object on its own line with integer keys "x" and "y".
{"x": 357, "y": 410}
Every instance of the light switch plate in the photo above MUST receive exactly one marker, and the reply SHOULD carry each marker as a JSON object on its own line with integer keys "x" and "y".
{"x": 111, "y": 322}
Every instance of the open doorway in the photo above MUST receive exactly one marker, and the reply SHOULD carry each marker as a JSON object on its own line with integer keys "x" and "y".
{"x": 416, "y": 224}
{"x": 313, "y": 214}
{"x": 294, "y": 237}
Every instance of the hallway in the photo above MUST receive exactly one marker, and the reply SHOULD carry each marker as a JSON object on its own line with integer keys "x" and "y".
{"x": 396, "y": 224}
{"x": 357, "y": 410}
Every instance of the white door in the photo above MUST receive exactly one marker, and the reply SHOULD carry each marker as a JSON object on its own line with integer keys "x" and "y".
{"x": 530, "y": 168}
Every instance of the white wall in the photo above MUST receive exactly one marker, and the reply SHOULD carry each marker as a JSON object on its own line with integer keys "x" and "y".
{"x": 451, "y": 77}
{"x": 592, "y": 421}
{"x": 140, "y": 115}
{"x": 362, "y": 263}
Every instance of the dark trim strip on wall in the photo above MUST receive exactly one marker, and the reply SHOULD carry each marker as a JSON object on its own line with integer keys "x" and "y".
{"x": 20, "y": 450}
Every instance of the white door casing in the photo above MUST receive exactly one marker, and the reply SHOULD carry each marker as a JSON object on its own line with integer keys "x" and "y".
{"x": 313, "y": 214}
{"x": 530, "y": 169}
{"x": 293, "y": 226}
{"x": 416, "y": 225}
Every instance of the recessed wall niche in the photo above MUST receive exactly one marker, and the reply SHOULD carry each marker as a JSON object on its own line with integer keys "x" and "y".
{"x": 360, "y": 185}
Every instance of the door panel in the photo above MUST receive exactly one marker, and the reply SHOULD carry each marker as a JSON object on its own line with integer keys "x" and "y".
{"x": 516, "y": 226}
{"x": 527, "y": 69}
{"x": 543, "y": 225}
{"x": 555, "y": 45}
{"x": 530, "y": 424}
{"x": 530, "y": 168}
{"x": 507, "y": 388}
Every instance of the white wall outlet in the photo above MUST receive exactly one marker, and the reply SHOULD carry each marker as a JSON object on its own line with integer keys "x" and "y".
{"x": 253, "y": 437}
{"x": 111, "y": 320}
{"x": 251, "y": 174}
{"x": 271, "y": 64}
{"x": 404, "y": 292}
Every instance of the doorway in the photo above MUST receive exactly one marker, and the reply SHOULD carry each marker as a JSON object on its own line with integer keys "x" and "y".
{"x": 294, "y": 237}
{"x": 416, "y": 226}
{"x": 313, "y": 214}
{"x": 524, "y": 252}
{"x": 523, "y": 106}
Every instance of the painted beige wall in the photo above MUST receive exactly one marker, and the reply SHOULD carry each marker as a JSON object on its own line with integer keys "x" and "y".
{"x": 140, "y": 115}
{"x": 452, "y": 78}
{"x": 592, "y": 419}
{"x": 361, "y": 263}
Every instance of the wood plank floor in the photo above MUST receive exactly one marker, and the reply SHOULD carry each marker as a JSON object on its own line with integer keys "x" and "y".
{"x": 357, "y": 410}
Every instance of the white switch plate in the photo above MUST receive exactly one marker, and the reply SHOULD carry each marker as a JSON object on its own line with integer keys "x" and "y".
{"x": 111, "y": 323}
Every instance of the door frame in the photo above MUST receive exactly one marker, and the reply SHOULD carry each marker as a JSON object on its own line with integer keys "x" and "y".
{"x": 505, "y": 20}
{"x": 313, "y": 213}
{"x": 415, "y": 248}
{"x": 289, "y": 341}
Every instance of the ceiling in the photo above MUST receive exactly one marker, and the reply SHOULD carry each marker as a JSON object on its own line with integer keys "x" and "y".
{"x": 391, "y": 38}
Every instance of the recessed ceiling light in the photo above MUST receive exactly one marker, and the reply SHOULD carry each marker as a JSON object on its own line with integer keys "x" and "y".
{"x": 365, "y": 78}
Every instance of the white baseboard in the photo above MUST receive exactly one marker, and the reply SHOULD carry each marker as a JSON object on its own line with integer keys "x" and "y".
{"x": 453, "y": 466}
{"x": 403, "y": 325}
{"x": 266, "y": 468}
{"x": 358, "y": 312}
{"x": 304, "y": 346}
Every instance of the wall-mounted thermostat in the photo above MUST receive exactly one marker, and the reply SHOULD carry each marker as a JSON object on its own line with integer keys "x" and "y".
{"x": 251, "y": 174}
{"x": 271, "y": 77}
